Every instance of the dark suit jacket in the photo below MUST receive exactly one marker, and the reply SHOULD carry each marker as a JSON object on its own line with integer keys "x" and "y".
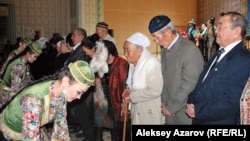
{"x": 77, "y": 54}
{"x": 217, "y": 99}
{"x": 59, "y": 61}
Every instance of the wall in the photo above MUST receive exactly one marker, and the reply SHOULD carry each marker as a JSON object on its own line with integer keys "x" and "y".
{"x": 212, "y": 8}
{"x": 46, "y": 16}
{"x": 128, "y": 16}
{"x": 123, "y": 16}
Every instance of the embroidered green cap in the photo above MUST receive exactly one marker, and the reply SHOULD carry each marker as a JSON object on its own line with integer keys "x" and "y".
{"x": 27, "y": 41}
{"x": 35, "y": 48}
{"x": 82, "y": 72}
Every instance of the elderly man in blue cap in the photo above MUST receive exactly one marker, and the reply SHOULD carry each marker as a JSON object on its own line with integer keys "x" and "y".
{"x": 182, "y": 64}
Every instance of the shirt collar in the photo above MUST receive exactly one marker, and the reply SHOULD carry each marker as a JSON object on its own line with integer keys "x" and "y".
{"x": 230, "y": 46}
{"x": 175, "y": 39}
{"x": 76, "y": 46}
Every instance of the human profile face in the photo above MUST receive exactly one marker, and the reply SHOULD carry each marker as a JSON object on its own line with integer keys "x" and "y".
{"x": 32, "y": 57}
{"x": 89, "y": 51}
{"x": 76, "y": 37}
{"x": 131, "y": 52}
{"x": 225, "y": 34}
{"x": 99, "y": 31}
{"x": 110, "y": 59}
{"x": 75, "y": 90}
{"x": 163, "y": 38}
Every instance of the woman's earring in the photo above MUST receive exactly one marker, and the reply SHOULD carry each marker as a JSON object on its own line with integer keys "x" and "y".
{"x": 64, "y": 92}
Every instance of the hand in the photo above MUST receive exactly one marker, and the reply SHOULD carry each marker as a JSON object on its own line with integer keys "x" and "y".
{"x": 125, "y": 111}
{"x": 126, "y": 95}
{"x": 98, "y": 81}
{"x": 190, "y": 110}
{"x": 165, "y": 111}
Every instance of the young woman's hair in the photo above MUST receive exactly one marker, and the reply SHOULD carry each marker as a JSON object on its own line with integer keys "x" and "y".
{"x": 111, "y": 47}
{"x": 94, "y": 37}
{"x": 69, "y": 40}
{"x": 87, "y": 43}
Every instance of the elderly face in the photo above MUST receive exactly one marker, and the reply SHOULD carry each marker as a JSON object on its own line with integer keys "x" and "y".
{"x": 163, "y": 38}
{"x": 132, "y": 52}
{"x": 225, "y": 34}
{"x": 76, "y": 37}
{"x": 99, "y": 31}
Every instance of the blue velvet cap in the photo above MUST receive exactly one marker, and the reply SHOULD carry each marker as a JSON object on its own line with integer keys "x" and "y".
{"x": 157, "y": 23}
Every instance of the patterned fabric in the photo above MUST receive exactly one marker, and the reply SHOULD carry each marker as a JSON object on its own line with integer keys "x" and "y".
{"x": 108, "y": 110}
{"x": 16, "y": 76}
{"x": 37, "y": 107}
{"x": 117, "y": 83}
{"x": 245, "y": 105}
{"x": 101, "y": 107}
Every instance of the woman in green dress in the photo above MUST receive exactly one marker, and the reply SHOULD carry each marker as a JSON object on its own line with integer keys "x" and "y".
{"x": 44, "y": 102}
{"x": 17, "y": 73}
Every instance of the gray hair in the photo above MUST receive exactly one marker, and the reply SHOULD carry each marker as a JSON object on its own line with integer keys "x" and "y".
{"x": 238, "y": 20}
{"x": 170, "y": 26}
{"x": 82, "y": 32}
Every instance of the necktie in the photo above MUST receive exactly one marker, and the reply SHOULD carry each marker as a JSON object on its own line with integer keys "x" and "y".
{"x": 218, "y": 54}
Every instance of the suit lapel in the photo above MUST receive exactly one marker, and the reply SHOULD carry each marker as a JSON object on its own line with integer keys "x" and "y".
{"x": 220, "y": 65}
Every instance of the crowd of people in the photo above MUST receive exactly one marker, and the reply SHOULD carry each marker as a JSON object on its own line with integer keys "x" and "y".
{"x": 203, "y": 36}
{"x": 87, "y": 87}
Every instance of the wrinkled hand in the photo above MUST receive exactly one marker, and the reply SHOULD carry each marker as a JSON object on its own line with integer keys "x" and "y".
{"x": 190, "y": 110}
{"x": 165, "y": 111}
{"x": 126, "y": 95}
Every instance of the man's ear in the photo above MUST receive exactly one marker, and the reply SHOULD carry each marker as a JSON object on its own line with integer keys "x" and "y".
{"x": 237, "y": 30}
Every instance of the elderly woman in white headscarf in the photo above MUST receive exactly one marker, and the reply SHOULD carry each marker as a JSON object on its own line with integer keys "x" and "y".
{"x": 144, "y": 82}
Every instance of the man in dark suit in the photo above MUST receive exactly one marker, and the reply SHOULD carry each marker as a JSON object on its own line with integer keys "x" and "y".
{"x": 79, "y": 34}
{"x": 216, "y": 98}
{"x": 80, "y": 110}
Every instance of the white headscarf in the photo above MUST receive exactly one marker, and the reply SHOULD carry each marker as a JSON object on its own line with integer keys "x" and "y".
{"x": 139, "y": 39}
{"x": 138, "y": 74}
